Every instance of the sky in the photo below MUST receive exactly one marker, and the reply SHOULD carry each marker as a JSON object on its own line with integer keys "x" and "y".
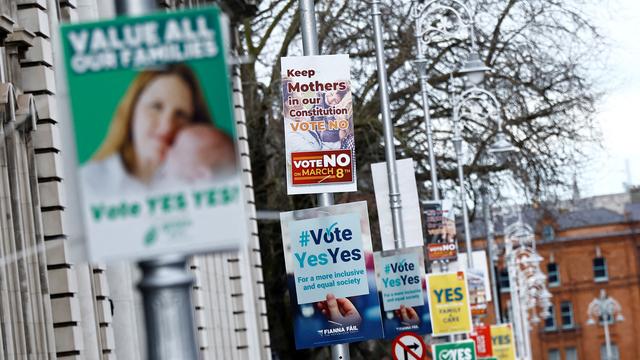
{"x": 618, "y": 111}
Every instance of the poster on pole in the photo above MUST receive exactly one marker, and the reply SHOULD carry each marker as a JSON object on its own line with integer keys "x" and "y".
{"x": 155, "y": 137}
{"x": 401, "y": 282}
{"x": 411, "y": 215}
{"x": 330, "y": 274}
{"x": 441, "y": 231}
{"x": 478, "y": 280}
{"x": 449, "y": 303}
{"x": 502, "y": 342}
{"x": 318, "y": 124}
{"x": 460, "y": 350}
{"x": 481, "y": 335}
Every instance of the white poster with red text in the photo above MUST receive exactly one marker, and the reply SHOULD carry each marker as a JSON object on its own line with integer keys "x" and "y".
{"x": 318, "y": 124}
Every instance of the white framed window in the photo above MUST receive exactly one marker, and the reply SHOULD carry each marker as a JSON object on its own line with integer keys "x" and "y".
{"x": 566, "y": 315}
{"x": 553, "y": 274}
{"x": 600, "y": 272}
{"x": 553, "y": 354}
{"x": 550, "y": 322}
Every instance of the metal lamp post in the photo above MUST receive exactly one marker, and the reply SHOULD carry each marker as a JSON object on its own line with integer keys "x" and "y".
{"x": 608, "y": 311}
{"x": 531, "y": 286}
{"x": 499, "y": 150}
{"x": 471, "y": 103}
{"x": 426, "y": 32}
{"x": 527, "y": 283}
{"x": 310, "y": 47}
{"x": 389, "y": 145}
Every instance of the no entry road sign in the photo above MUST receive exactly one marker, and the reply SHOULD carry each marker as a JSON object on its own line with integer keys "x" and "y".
{"x": 408, "y": 346}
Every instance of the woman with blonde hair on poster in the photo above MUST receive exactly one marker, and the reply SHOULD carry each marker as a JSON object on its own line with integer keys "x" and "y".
{"x": 158, "y": 105}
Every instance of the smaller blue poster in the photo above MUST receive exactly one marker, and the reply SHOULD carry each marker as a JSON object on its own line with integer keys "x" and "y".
{"x": 330, "y": 274}
{"x": 401, "y": 281}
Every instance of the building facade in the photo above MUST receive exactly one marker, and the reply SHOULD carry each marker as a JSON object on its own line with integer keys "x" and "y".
{"x": 52, "y": 304}
{"x": 588, "y": 245}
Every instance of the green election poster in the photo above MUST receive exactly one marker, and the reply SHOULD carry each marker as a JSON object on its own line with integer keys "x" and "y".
{"x": 155, "y": 138}
{"x": 461, "y": 350}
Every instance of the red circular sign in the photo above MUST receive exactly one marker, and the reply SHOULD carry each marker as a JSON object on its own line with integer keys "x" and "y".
{"x": 408, "y": 346}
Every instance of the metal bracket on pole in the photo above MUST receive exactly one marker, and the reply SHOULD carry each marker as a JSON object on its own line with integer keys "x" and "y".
{"x": 135, "y": 7}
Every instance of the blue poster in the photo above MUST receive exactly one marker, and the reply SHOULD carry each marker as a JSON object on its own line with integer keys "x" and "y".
{"x": 330, "y": 274}
{"x": 402, "y": 289}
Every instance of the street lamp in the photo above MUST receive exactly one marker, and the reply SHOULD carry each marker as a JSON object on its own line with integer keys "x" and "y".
{"x": 528, "y": 283}
{"x": 473, "y": 103}
{"x": 607, "y": 310}
{"x": 474, "y": 69}
{"x": 438, "y": 20}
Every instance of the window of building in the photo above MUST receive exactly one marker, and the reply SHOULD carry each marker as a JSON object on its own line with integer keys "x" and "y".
{"x": 615, "y": 355}
{"x": 553, "y": 274}
{"x": 550, "y": 322}
{"x": 554, "y": 354}
{"x": 571, "y": 353}
{"x": 548, "y": 233}
{"x": 566, "y": 315}
{"x": 503, "y": 280}
{"x": 600, "y": 269}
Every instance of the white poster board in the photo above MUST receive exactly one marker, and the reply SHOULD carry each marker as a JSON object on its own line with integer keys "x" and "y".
{"x": 479, "y": 275}
{"x": 411, "y": 218}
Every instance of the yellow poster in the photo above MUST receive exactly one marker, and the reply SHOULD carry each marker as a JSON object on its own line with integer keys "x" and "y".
{"x": 449, "y": 303}
{"x": 503, "y": 342}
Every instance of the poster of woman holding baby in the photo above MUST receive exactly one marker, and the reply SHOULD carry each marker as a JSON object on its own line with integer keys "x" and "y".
{"x": 155, "y": 135}
{"x": 161, "y": 132}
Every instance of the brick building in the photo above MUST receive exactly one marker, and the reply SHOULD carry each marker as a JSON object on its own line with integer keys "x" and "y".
{"x": 587, "y": 245}
{"x": 51, "y": 304}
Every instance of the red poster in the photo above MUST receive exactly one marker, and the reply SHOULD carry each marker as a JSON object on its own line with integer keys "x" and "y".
{"x": 482, "y": 336}
{"x": 319, "y": 167}
{"x": 442, "y": 251}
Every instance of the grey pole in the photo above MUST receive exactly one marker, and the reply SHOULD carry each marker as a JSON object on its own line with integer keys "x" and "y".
{"x": 525, "y": 321}
{"x": 607, "y": 339}
{"x": 421, "y": 61}
{"x": 515, "y": 297}
{"x": 389, "y": 146}
{"x": 486, "y": 212}
{"x": 166, "y": 284}
{"x": 166, "y": 288}
{"x": 457, "y": 142}
{"x": 310, "y": 47}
